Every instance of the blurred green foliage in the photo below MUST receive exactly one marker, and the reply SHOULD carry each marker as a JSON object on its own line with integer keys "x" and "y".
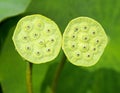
{"x": 104, "y": 77}
{"x": 10, "y": 8}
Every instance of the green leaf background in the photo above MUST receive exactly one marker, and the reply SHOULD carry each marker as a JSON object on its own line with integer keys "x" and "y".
{"x": 10, "y": 8}
{"x": 104, "y": 77}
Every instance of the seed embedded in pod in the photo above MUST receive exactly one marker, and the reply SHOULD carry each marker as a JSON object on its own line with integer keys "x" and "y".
{"x": 28, "y": 48}
{"x": 94, "y": 49}
{"x": 88, "y": 56}
{"x": 89, "y": 40}
{"x": 73, "y": 36}
{"x": 76, "y": 29}
{"x": 34, "y": 35}
{"x": 72, "y": 45}
{"x": 41, "y": 42}
{"x": 38, "y": 54}
{"x": 48, "y": 30}
{"x": 78, "y": 54}
{"x": 84, "y": 37}
{"x": 38, "y": 24}
{"x": 26, "y": 26}
{"x": 51, "y": 41}
{"x": 84, "y": 26}
{"x": 30, "y": 31}
{"x": 97, "y": 41}
{"x": 84, "y": 47}
{"x": 48, "y": 51}
{"x": 93, "y": 31}
{"x": 75, "y": 56}
{"x": 25, "y": 38}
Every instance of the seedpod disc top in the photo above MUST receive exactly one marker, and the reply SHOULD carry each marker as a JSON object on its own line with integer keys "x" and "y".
{"x": 84, "y": 41}
{"x": 37, "y": 39}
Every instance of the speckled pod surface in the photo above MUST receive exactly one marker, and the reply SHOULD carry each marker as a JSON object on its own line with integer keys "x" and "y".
{"x": 84, "y": 41}
{"x": 37, "y": 39}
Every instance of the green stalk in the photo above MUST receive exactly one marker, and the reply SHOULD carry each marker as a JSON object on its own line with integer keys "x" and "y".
{"x": 57, "y": 74}
{"x": 29, "y": 77}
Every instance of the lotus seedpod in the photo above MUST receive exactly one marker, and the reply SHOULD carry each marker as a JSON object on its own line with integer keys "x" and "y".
{"x": 37, "y": 39}
{"x": 84, "y": 41}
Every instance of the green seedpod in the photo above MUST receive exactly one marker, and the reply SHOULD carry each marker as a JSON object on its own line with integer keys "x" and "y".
{"x": 84, "y": 41}
{"x": 37, "y": 39}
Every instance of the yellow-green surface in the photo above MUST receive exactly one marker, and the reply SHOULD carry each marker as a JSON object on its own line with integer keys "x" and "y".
{"x": 84, "y": 41}
{"x": 104, "y": 77}
{"x": 37, "y": 39}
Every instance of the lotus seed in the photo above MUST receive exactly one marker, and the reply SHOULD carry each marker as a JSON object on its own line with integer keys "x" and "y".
{"x": 85, "y": 27}
{"x": 25, "y": 37}
{"x": 78, "y": 54}
{"x": 52, "y": 40}
{"x": 88, "y": 55}
{"x": 94, "y": 49}
{"x": 28, "y": 48}
{"x": 84, "y": 47}
{"x": 93, "y": 33}
{"x": 48, "y": 30}
{"x": 73, "y": 46}
{"x": 73, "y": 36}
{"x": 89, "y": 41}
{"x": 38, "y": 52}
{"x": 85, "y": 38}
{"x": 36, "y": 35}
{"x": 48, "y": 50}
{"x": 26, "y": 26}
{"x": 76, "y": 29}
{"x": 41, "y": 42}
{"x": 39, "y": 25}
{"x": 97, "y": 41}
{"x": 32, "y": 29}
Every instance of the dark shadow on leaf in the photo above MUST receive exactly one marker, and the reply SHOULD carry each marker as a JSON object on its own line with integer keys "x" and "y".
{"x": 5, "y": 27}
{"x": 1, "y": 89}
{"x": 75, "y": 79}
